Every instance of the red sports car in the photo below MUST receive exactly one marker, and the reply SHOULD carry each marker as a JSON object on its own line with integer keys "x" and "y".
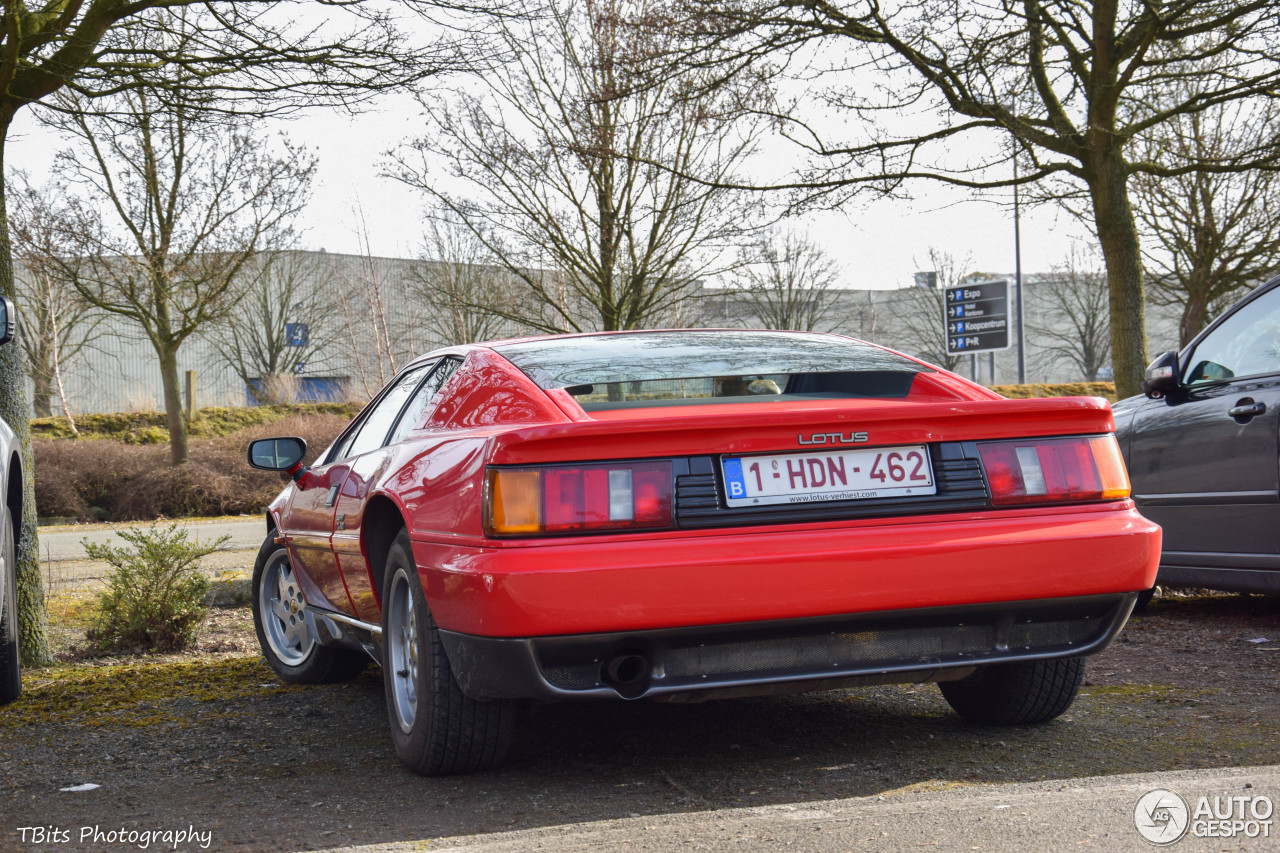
{"x": 684, "y": 515}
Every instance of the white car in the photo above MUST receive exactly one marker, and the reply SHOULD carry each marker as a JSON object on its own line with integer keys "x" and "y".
{"x": 11, "y": 477}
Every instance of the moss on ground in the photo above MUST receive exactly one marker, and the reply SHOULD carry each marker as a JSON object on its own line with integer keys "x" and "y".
{"x": 151, "y": 427}
{"x": 140, "y": 693}
{"x": 76, "y": 609}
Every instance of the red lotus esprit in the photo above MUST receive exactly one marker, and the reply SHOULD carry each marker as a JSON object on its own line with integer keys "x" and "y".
{"x": 683, "y": 515}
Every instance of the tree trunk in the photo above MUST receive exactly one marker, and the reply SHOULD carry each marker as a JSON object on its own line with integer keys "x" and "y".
{"x": 41, "y": 394}
{"x": 1118, "y": 237}
{"x": 1195, "y": 316}
{"x": 14, "y": 409}
{"x": 178, "y": 454}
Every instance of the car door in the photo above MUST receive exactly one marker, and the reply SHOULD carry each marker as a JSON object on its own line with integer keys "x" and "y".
{"x": 1205, "y": 462}
{"x": 308, "y": 529}
{"x": 368, "y": 457}
{"x": 309, "y": 522}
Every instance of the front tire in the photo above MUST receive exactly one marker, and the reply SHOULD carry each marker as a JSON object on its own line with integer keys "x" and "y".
{"x": 1012, "y": 694}
{"x": 10, "y": 659}
{"x": 286, "y": 643}
{"x": 437, "y": 730}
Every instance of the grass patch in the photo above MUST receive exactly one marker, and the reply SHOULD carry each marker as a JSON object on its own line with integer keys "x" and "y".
{"x": 151, "y": 427}
{"x": 73, "y": 609}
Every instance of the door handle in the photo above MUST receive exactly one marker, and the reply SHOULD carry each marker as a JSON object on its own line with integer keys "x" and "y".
{"x": 1247, "y": 408}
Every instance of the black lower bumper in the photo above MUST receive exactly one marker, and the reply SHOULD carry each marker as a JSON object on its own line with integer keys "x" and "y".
{"x": 762, "y": 657}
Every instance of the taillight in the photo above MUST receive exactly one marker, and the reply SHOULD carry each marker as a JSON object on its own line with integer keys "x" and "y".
{"x": 567, "y": 499}
{"x": 1054, "y": 470}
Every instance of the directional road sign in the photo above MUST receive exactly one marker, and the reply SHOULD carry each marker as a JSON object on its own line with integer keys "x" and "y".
{"x": 977, "y": 317}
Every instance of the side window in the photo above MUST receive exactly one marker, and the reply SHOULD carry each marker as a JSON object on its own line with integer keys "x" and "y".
{"x": 372, "y": 434}
{"x": 1247, "y": 343}
{"x": 413, "y": 413}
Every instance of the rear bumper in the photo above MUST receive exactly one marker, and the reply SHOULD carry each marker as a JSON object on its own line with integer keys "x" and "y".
{"x": 612, "y": 584}
{"x": 691, "y": 663}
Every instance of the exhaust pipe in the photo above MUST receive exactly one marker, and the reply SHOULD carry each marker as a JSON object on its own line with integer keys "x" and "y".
{"x": 627, "y": 673}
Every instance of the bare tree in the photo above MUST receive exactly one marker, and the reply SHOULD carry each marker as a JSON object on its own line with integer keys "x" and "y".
{"x": 918, "y": 313}
{"x": 57, "y": 323}
{"x": 1208, "y": 235}
{"x": 786, "y": 282}
{"x": 281, "y": 325}
{"x": 1073, "y": 84}
{"x": 171, "y": 209}
{"x": 468, "y": 290}
{"x": 547, "y": 162}
{"x": 869, "y": 319}
{"x": 1071, "y": 322}
{"x": 238, "y": 51}
{"x": 381, "y": 326}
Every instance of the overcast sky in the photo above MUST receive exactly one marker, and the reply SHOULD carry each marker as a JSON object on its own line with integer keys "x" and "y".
{"x": 879, "y": 245}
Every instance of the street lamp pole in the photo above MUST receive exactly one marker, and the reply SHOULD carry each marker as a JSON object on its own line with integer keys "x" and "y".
{"x": 1017, "y": 269}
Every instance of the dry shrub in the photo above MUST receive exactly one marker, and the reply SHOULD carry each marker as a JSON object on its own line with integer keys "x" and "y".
{"x": 104, "y": 479}
{"x": 185, "y": 490}
{"x": 318, "y": 430}
{"x": 57, "y": 495}
{"x": 84, "y": 478}
{"x": 278, "y": 389}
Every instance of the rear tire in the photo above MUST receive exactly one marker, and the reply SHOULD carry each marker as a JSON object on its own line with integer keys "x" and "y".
{"x": 437, "y": 730}
{"x": 1012, "y": 694}
{"x": 10, "y": 659}
{"x": 287, "y": 645}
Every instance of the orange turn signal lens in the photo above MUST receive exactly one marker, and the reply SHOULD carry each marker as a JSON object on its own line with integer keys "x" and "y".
{"x": 579, "y": 498}
{"x": 515, "y": 501}
{"x": 1111, "y": 470}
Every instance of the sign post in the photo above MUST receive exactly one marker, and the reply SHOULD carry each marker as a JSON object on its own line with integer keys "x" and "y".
{"x": 977, "y": 317}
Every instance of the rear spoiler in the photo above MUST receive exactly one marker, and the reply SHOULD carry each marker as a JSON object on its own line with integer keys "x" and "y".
{"x": 757, "y": 428}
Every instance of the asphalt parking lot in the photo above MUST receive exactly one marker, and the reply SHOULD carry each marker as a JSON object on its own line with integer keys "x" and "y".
{"x": 213, "y": 742}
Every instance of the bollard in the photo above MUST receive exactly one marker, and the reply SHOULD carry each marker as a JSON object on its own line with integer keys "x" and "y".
{"x": 191, "y": 396}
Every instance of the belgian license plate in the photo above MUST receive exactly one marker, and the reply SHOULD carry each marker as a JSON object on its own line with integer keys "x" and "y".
{"x": 828, "y": 475}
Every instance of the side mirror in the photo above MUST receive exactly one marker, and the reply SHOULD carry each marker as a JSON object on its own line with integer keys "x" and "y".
{"x": 1162, "y": 376}
{"x": 279, "y": 454}
{"x": 8, "y": 320}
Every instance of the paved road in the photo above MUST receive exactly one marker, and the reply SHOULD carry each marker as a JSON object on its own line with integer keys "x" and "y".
{"x": 1095, "y": 814}
{"x": 58, "y": 544}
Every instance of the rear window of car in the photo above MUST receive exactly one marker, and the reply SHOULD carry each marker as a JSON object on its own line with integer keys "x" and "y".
{"x": 644, "y": 369}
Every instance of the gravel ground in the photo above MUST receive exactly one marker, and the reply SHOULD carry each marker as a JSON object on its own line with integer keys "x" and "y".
{"x": 210, "y": 741}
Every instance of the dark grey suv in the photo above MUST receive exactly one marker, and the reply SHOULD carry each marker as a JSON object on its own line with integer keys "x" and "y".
{"x": 1203, "y": 450}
